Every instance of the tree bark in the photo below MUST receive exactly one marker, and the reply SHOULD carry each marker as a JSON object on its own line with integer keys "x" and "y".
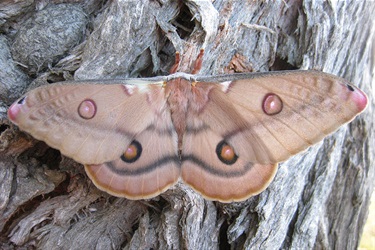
{"x": 318, "y": 200}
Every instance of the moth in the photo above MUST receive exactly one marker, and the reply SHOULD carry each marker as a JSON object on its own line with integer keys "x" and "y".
{"x": 222, "y": 135}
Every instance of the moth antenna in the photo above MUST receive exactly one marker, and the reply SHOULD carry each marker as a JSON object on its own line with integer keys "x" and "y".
{"x": 176, "y": 63}
{"x": 198, "y": 62}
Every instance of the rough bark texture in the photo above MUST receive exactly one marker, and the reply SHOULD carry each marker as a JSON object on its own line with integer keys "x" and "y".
{"x": 318, "y": 200}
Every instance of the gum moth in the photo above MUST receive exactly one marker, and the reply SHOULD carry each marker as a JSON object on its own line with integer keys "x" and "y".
{"x": 221, "y": 135}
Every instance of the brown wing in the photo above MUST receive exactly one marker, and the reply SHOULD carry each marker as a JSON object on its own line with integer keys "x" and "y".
{"x": 261, "y": 121}
{"x": 98, "y": 125}
{"x": 151, "y": 166}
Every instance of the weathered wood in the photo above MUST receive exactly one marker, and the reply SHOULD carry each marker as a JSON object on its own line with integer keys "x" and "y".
{"x": 319, "y": 199}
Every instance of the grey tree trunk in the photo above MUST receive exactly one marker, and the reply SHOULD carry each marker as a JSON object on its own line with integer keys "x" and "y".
{"x": 318, "y": 200}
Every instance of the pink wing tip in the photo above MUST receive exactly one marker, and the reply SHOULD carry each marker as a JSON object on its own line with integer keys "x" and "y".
{"x": 360, "y": 99}
{"x": 14, "y": 111}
